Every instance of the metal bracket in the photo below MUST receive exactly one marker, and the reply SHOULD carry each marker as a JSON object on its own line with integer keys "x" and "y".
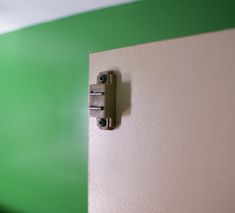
{"x": 103, "y": 100}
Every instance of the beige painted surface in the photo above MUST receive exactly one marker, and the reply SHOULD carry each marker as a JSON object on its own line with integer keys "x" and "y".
{"x": 174, "y": 151}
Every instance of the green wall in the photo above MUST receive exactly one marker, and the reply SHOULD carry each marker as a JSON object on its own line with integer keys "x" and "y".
{"x": 43, "y": 91}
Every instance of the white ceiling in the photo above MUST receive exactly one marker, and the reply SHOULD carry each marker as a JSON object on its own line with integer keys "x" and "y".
{"x": 15, "y": 14}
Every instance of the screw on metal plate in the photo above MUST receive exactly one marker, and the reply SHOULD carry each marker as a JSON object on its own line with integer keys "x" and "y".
{"x": 103, "y": 100}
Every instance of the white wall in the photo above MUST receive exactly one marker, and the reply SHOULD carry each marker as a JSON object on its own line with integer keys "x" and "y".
{"x": 15, "y": 14}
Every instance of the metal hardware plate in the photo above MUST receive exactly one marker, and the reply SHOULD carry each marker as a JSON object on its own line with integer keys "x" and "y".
{"x": 103, "y": 100}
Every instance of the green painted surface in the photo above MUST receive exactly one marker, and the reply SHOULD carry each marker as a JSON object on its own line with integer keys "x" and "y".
{"x": 43, "y": 90}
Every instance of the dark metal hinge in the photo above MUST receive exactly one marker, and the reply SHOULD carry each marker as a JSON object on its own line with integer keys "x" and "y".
{"x": 103, "y": 100}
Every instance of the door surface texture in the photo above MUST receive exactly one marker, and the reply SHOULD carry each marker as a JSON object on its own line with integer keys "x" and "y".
{"x": 173, "y": 150}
